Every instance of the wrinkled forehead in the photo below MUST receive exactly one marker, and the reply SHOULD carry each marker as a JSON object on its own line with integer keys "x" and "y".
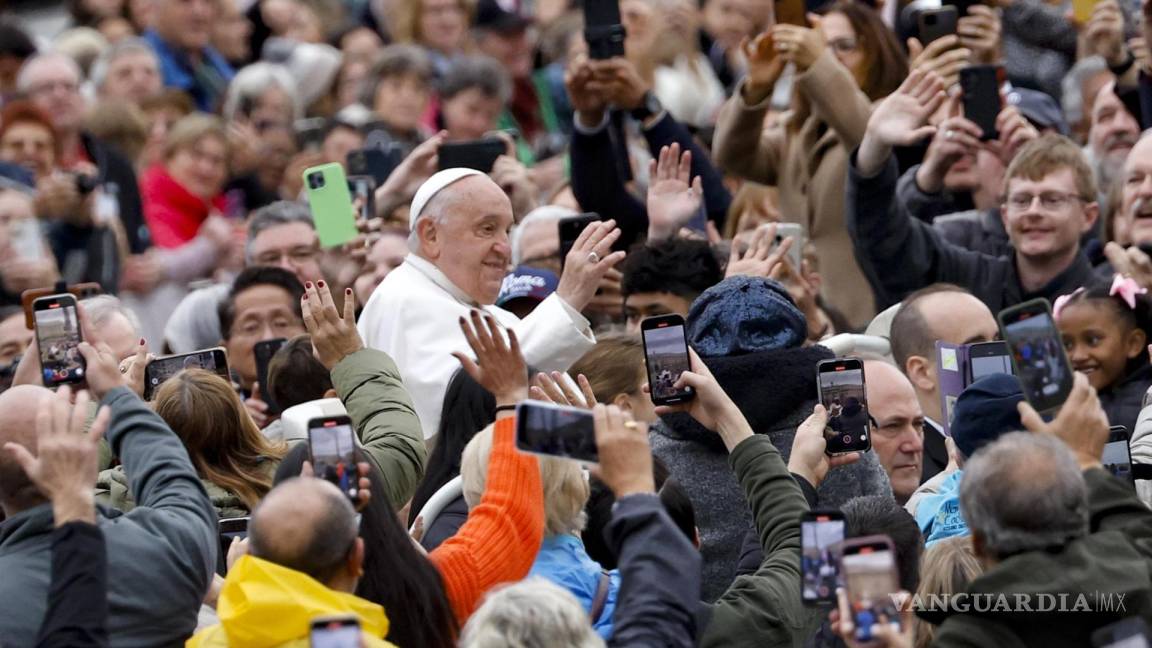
{"x": 1140, "y": 157}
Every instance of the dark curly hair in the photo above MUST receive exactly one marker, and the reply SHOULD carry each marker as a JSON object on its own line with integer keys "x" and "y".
{"x": 682, "y": 267}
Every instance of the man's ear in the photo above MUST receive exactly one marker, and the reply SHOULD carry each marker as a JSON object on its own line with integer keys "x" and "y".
{"x": 1091, "y": 214}
{"x": 921, "y": 373}
{"x": 356, "y": 559}
{"x": 428, "y": 234}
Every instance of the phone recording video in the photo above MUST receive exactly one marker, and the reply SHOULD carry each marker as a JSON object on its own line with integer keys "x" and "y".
{"x": 868, "y": 566}
{"x": 666, "y": 356}
{"x": 987, "y": 358}
{"x": 1037, "y": 353}
{"x": 1117, "y": 456}
{"x": 556, "y": 431}
{"x": 841, "y": 385}
{"x": 603, "y": 30}
{"x": 57, "y": 324}
{"x": 332, "y": 445}
{"x": 160, "y": 370}
{"x": 821, "y": 533}
{"x": 362, "y": 189}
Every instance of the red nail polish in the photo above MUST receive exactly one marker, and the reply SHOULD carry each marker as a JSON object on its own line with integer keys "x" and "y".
{"x": 320, "y": 283}
{"x": 141, "y": 341}
{"x": 347, "y": 291}
{"x": 307, "y": 284}
{"x": 305, "y": 296}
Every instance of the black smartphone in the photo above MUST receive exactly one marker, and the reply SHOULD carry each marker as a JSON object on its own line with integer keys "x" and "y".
{"x": 666, "y": 357}
{"x": 868, "y": 566}
{"x": 556, "y": 431}
{"x": 263, "y": 352}
{"x": 478, "y": 154}
{"x": 362, "y": 188}
{"x": 935, "y": 24}
{"x": 961, "y": 6}
{"x": 1117, "y": 457}
{"x": 231, "y": 528}
{"x": 1131, "y": 632}
{"x": 335, "y": 632}
{"x": 570, "y": 228}
{"x": 821, "y": 533}
{"x": 57, "y": 323}
{"x": 987, "y": 358}
{"x": 376, "y": 162}
{"x": 161, "y": 369}
{"x": 980, "y": 95}
{"x": 332, "y": 449}
{"x": 841, "y": 385}
{"x": 603, "y": 31}
{"x": 1037, "y": 353}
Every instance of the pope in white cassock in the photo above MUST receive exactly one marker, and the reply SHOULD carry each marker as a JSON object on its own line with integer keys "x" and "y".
{"x": 459, "y": 257}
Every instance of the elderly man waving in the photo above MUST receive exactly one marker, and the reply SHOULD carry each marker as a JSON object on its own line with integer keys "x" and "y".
{"x": 460, "y": 221}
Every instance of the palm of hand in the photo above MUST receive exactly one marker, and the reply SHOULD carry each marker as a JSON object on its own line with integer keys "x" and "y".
{"x": 897, "y": 120}
{"x": 672, "y": 202}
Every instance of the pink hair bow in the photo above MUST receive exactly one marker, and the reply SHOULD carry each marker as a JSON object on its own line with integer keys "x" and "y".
{"x": 1063, "y": 300}
{"x": 1127, "y": 289}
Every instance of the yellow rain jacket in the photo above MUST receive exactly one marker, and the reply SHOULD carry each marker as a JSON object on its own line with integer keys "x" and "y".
{"x": 264, "y": 605}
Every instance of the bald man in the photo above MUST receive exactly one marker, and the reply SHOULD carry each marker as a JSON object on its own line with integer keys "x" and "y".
{"x": 306, "y": 555}
{"x": 459, "y": 255}
{"x": 938, "y": 312}
{"x": 898, "y": 430}
{"x": 161, "y": 555}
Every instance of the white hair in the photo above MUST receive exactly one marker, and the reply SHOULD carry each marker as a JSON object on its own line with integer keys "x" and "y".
{"x": 133, "y": 45}
{"x": 23, "y": 80}
{"x": 101, "y": 308}
{"x": 533, "y": 613}
{"x": 436, "y": 209}
{"x": 1072, "y": 97}
{"x": 542, "y": 214}
{"x": 254, "y": 80}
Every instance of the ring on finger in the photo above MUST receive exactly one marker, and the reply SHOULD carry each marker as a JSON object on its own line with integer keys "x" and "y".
{"x": 593, "y": 257}
{"x": 949, "y": 134}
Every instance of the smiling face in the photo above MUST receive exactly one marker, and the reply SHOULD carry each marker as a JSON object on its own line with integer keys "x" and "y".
{"x": 464, "y": 232}
{"x": 401, "y": 100}
{"x": 443, "y": 25}
{"x": 1135, "y": 213}
{"x": 202, "y": 167}
{"x": 469, "y": 114}
{"x": 1098, "y": 341}
{"x": 843, "y": 40}
{"x": 1112, "y": 133}
{"x": 1043, "y": 233}
{"x": 30, "y": 145}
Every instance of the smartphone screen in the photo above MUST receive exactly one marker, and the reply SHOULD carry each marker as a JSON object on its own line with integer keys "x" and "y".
{"x": 870, "y": 578}
{"x": 841, "y": 383}
{"x": 1037, "y": 353}
{"x": 362, "y": 188}
{"x": 1117, "y": 457}
{"x": 666, "y": 357}
{"x": 161, "y": 369}
{"x": 1131, "y": 632}
{"x": 58, "y": 336}
{"x": 557, "y": 431}
{"x": 820, "y": 536}
{"x": 987, "y": 358}
{"x": 335, "y": 633}
{"x": 332, "y": 444}
{"x": 263, "y": 352}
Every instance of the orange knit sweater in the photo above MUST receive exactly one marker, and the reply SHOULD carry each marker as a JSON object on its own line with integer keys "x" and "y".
{"x": 500, "y": 539}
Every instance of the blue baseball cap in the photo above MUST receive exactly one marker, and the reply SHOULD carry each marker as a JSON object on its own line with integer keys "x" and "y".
{"x": 527, "y": 283}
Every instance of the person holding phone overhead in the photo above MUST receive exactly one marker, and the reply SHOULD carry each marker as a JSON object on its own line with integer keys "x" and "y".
{"x": 460, "y": 255}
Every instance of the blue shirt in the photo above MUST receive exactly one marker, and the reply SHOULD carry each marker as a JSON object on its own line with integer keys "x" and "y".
{"x": 179, "y": 73}
{"x": 939, "y": 515}
{"x": 563, "y": 560}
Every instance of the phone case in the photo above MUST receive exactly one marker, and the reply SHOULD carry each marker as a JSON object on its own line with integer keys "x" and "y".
{"x": 478, "y": 154}
{"x": 935, "y": 24}
{"x": 980, "y": 85}
{"x": 951, "y": 375}
{"x": 331, "y": 204}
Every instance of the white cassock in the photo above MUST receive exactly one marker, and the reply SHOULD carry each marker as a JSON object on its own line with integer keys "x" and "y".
{"x": 414, "y": 316}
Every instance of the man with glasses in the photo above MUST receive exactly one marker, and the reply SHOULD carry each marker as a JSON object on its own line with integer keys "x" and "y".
{"x": 897, "y": 426}
{"x": 1049, "y": 203}
{"x": 181, "y": 35}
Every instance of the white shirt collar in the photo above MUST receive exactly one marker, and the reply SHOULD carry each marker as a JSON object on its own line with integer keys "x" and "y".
{"x": 426, "y": 268}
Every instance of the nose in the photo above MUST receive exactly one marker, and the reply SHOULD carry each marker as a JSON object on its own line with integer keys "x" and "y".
{"x": 912, "y": 441}
{"x": 1076, "y": 352}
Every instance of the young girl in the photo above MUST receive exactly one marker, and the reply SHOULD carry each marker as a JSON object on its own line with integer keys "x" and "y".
{"x": 1105, "y": 331}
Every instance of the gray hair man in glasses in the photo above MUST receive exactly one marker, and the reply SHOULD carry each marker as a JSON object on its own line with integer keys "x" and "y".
{"x": 897, "y": 426}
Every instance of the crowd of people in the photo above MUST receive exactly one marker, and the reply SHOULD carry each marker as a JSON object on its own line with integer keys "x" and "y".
{"x": 798, "y": 181}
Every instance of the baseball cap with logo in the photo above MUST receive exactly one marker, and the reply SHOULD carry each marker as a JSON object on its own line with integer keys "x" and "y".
{"x": 527, "y": 283}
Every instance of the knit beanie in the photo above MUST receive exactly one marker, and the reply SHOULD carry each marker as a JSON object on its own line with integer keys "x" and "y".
{"x": 744, "y": 315}
{"x": 985, "y": 411}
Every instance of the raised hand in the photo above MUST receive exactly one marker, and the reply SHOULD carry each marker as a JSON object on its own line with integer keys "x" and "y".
{"x": 102, "y": 369}
{"x": 625, "y": 455}
{"x": 809, "y": 457}
{"x": 1132, "y": 262}
{"x": 334, "y": 337}
{"x": 800, "y": 46}
{"x": 944, "y": 56}
{"x": 588, "y": 262}
{"x": 1081, "y": 423}
{"x": 979, "y": 32}
{"x": 1103, "y": 34}
{"x": 558, "y": 389}
{"x": 711, "y": 407}
{"x": 761, "y": 257}
{"x": 585, "y": 92}
{"x": 764, "y": 67}
{"x": 420, "y": 164}
{"x": 900, "y": 120}
{"x": 134, "y": 366}
{"x": 955, "y": 138}
{"x": 674, "y": 197}
{"x": 499, "y": 366}
{"x": 1015, "y": 133}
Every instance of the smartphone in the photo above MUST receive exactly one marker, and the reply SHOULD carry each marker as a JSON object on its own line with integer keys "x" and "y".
{"x": 335, "y": 632}
{"x": 987, "y": 358}
{"x": 26, "y": 241}
{"x": 790, "y": 12}
{"x": 556, "y": 431}
{"x": 841, "y": 385}
{"x": 821, "y": 533}
{"x": 332, "y": 449}
{"x": 331, "y": 204}
{"x": 478, "y": 154}
{"x": 868, "y": 567}
{"x": 570, "y": 228}
{"x": 161, "y": 369}
{"x": 234, "y": 526}
{"x": 80, "y": 291}
{"x": 980, "y": 95}
{"x": 666, "y": 357}
{"x": 1117, "y": 457}
{"x": 58, "y": 336}
{"x": 310, "y": 133}
{"x": 1037, "y": 354}
{"x": 363, "y": 191}
{"x": 796, "y": 252}
{"x": 934, "y": 24}
{"x": 961, "y": 6}
{"x": 377, "y": 162}
{"x": 1082, "y": 10}
{"x": 1131, "y": 632}
{"x": 603, "y": 30}
{"x": 263, "y": 352}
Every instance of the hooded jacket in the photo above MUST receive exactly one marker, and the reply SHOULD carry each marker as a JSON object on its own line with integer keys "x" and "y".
{"x": 1122, "y": 402}
{"x": 264, "y": 604}
{"x": 776, "y": 391}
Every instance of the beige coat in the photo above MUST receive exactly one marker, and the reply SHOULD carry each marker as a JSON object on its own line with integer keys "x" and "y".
{"x": 806, "y": 158}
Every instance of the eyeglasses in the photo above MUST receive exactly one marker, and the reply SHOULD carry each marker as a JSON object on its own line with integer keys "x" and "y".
{"x": 301, "y": 254}
{"x": 1049, "y": 200}
{"x": 48, "y": 86}
{"x": 843, "y": 45}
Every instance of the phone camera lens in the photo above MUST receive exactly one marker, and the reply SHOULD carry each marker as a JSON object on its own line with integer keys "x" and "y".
{"x": 315, "y": 180}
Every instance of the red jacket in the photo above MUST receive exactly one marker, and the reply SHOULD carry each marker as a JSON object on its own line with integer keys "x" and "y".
{"x": 173, "y": 214}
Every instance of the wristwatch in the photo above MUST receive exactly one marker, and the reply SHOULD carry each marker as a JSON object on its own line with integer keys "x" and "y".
{"x": 648, "y": 107}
